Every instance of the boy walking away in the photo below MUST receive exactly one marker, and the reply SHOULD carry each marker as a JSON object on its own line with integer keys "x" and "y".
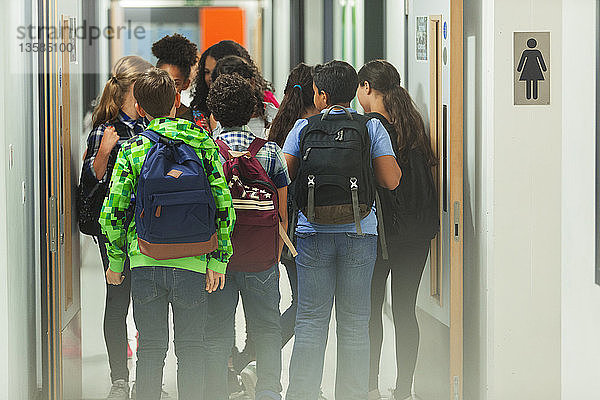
{"x": 336, "y": 157}
{"x": 257, "y": 174}
{"x": 179, "y": 242}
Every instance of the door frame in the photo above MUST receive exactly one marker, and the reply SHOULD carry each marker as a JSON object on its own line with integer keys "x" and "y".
{"x": 455, "y": 197}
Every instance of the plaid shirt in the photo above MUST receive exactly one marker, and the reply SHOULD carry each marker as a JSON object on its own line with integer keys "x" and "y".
{"x": 270, "y": 155}
{"x": 124, "y": 183}
{"x": 134, "y": 127}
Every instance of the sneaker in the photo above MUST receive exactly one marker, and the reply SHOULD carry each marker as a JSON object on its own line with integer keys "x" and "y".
{"x": 119, "y": 390}
{"x": 375, "y": 395}
{"x": 249, "y": 379}
{"x": 234, "y": 386}
{"x": 240, "y": 396}
{"x": 394, "y": 396}
{"x": 163, "y": 393}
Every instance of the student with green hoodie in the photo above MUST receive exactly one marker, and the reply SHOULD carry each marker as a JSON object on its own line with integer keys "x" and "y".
{"x": 182, "y": 282}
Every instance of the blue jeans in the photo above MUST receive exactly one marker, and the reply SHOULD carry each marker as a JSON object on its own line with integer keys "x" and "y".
{"x": 260, "y": 295}
{"x": 152, "y": 289}
{"x": 333, "y": 266}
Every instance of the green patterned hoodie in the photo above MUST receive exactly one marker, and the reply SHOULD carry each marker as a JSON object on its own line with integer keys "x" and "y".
{"x": 124, "y": 183}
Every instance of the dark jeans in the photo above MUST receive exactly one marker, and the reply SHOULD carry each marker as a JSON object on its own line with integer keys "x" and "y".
{"x": 115, "y": 317}
{"x": 152, "y": 289}
{"x": 406, "y": 263}
{"x": 260, "y": 296}
{"x": 288, "y": 322}
{"x": 333, "y": 267}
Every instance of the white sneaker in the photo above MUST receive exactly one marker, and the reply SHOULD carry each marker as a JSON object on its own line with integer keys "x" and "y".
{"x": 119, "y": 390}
{"x": 163, "y": 394}
{"x": 249, "y": 379}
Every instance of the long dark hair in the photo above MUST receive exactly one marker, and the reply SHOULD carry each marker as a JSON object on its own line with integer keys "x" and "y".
{"x": 405, "y": 118}
{"x": 217, "y": 51}
{"x": 297, "y": 99}
{"x": 237, "y": 65}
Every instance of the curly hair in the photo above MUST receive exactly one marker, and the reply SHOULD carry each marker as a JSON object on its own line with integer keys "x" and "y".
{"x": 217, "y": 51}
{"x": 238, "y": 65}
{"x": 231, "y": 99}
{"x": 176, "y": 50}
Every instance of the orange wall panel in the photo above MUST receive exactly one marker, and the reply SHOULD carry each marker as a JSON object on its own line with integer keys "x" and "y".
{"x": 221, "y": 23}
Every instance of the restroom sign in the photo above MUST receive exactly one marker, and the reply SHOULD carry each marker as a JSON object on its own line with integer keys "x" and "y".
{"x": 531, "y": 68}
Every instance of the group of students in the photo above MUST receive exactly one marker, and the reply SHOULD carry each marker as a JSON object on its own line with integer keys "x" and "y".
{"x": 194, "y": 206}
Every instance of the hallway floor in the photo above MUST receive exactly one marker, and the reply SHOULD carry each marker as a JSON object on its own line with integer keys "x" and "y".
{"x": 96, "y": 381}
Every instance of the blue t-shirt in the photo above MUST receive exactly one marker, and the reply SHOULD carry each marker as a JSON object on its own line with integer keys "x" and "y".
{"x": 381, "y": 145}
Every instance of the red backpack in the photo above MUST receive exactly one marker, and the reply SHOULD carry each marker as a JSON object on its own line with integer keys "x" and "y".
{"x": 256, "y": 203}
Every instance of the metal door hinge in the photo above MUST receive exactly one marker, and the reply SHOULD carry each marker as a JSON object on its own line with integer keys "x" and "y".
{"x": 456, "y": 388}
{"x": 53, "y": 228}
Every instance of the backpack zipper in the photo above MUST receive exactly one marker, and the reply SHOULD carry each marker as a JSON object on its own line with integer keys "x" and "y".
{"x": 306, "y": 154}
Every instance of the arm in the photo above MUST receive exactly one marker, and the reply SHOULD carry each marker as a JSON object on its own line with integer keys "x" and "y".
{"x": 112, "y": 215}
{"x": 283, "y": 213}
{"x": 521, "y": 62}
{"x": 217, "y": 260}
{"x": 387, "y": 172}
{"x": 386, "y": 169}
{"x": 100, "y": 161}
{"x": 542, "y": 62}
{"x": 292, "y": 165}
{"x": 291, "y": 148}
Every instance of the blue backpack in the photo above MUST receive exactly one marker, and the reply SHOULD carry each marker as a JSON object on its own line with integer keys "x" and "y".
{"x": 174, "y": 208}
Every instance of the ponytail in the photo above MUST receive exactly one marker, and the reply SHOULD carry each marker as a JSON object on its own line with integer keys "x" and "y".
{"x": 298, "y": 98}
{"x": 124, "y": 74}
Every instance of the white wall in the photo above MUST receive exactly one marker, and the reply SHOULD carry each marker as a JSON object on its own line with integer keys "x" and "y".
{"x": 281, "y": 44}
{"x": 580, "y": 295}
{"x": 477, "y": 151}
{"x": 17, "y": 237}
{"x": 395, "y": 24}
{"x": 524, "y": 270}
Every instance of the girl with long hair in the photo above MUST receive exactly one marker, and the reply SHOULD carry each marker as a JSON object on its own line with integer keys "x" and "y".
{"x": 409, "y": 216}
{"x": 115, "y": 120}
{"x": 206, "y": 65}
{"x": 177, "y": 55}
{"x": 264, "y": 111}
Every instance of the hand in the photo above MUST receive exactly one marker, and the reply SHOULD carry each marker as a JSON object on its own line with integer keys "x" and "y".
{"x": 110, "y": 138}
{"x": 214, "y": 281}
{"x": 114, "y": 278}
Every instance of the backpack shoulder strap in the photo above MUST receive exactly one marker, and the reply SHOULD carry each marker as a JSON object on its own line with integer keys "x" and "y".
{"x": 153, "y": 136}
{"x": 223, "y": 149}
{"x": 121, "y": 128}
{"x": 256, "y": 145}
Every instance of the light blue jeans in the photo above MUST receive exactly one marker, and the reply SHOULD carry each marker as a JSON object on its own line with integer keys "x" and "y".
{"x": 333, "y": 267}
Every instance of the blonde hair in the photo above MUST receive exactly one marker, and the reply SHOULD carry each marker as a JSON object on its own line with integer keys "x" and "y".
{"x": 124, "y": 74}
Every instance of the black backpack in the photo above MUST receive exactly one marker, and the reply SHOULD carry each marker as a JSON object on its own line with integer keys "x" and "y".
{"x": 411, "y": 211}
{"x": 335, "y": 182}
{"x": 91, "y": 193}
